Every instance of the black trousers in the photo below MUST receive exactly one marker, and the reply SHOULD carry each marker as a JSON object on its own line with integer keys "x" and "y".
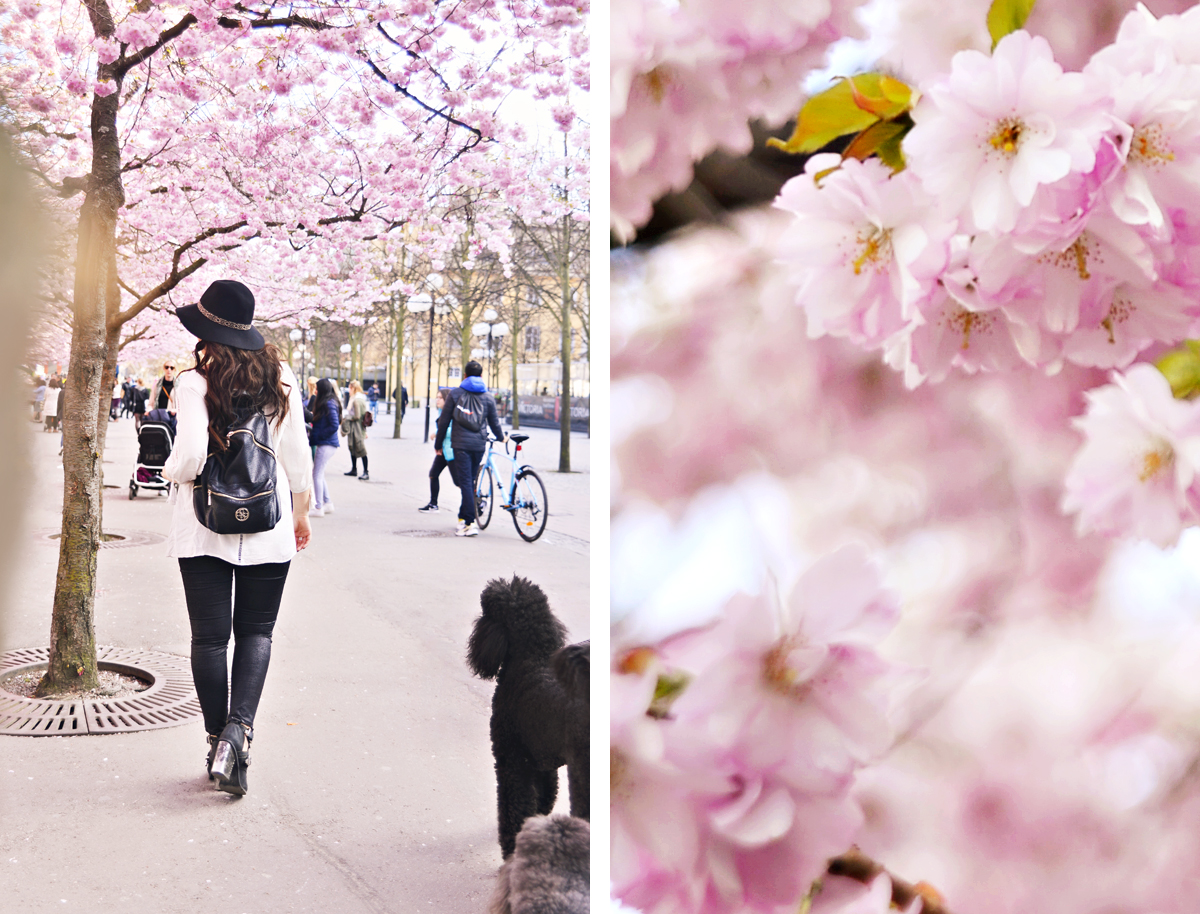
{"x": 224, "y": 599}
{"x": 465, "y": 470}
{"x": 439, "y": 463}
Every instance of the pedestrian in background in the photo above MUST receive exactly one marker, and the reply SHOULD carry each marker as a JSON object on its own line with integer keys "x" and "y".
{"x": 468, "y": 444}
{"x": 140, "y": 395}
{"x": 39, "y": 397}
{"x": 127, "y": 398}
{"x": 233, "y": 582}
{"x": 401, "y": 400}
{"x": 113, "y": 415}
{"x": 327, "y": 413}
{"x": 354, "y": 430}
{"x": 50, "y": 407}
{"x": 443, "y": 454}
{"x": 162, "y": 397}
{"x": 373, "y": 398}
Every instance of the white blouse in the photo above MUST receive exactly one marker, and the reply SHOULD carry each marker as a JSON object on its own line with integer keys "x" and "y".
{"x": 293, "y": 462}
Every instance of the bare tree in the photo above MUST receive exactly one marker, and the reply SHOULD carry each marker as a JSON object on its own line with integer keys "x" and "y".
{"x": 552, "y": 263}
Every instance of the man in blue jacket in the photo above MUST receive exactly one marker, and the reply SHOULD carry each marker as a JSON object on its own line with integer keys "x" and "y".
{"x": 472, "y": 410}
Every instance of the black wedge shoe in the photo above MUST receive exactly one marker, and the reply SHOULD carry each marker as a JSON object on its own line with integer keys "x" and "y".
{"x": 232, "y": 758}
{"x": 212, "y": 750}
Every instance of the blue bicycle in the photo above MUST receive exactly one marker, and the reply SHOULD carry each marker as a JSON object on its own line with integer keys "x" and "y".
{"x": 522, "y": 495}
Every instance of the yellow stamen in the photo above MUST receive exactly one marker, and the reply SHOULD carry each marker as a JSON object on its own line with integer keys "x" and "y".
{"x": 1007, "y": 136}
{"x": 1149, "y": 146}
{"x": 1075, "y": 257}
{"x": 1155, "y": 462}
{"x": 1118, "y": 312}
{"x": 968, "y": 322}
{"x": 877, "y": 249}
{"x": 779, "y": 675}
{"x": 657, "y": 82}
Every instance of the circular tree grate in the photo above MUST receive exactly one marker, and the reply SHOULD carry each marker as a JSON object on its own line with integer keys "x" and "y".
{"x": 421, "y": 533}
{"x": 119, "y": 539}
{"x": 170, "y": 701}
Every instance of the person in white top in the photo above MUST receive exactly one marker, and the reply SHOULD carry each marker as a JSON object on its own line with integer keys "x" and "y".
{"x": 233, "y": 582}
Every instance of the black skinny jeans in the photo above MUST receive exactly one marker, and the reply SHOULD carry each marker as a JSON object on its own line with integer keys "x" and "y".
{"x": 439, "y": 463}
{"x": 224, "y": 599}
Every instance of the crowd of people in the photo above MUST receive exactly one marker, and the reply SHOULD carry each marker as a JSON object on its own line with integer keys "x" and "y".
{"x": 330, "y": 414}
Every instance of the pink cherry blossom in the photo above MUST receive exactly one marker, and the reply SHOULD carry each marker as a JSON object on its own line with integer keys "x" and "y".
{"x": 780, "y": 704}
{"x": 863, "y": 249}
{"x": 998, "y": 128}
{"x": 1136, "y": 473}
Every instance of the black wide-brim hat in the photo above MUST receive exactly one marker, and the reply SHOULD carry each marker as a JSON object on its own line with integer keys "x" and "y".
{"x": 224, "y": 315}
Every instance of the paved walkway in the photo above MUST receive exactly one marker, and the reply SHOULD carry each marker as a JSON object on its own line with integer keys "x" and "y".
{"x": 371, "y": 788}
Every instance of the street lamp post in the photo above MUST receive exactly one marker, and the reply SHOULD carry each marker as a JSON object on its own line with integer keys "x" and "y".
{"x": 296, "y": 336}
{"x": 490, "y": 327}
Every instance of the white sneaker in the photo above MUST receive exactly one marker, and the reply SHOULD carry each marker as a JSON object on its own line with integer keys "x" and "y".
{"x": 327, "y": 507}
{"x": 468, "y": 530}
{"x": 462, "y": 525}
{"x": 316, "y": 512}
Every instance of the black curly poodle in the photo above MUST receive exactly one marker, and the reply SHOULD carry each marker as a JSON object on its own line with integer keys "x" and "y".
{"x": 540, "y": 709}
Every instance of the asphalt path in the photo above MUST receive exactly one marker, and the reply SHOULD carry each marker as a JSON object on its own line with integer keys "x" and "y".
{"x": 371, "y": 783}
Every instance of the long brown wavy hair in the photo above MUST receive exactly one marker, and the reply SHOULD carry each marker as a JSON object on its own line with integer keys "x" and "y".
{"x": 233, "y": 373}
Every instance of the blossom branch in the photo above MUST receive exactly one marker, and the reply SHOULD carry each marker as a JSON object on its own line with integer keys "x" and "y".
{"x": 434, "y": 112}
{"x": 856, "y": 865}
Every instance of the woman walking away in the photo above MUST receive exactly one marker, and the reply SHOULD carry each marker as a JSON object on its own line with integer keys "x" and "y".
{"x": 327, "y": 413}
{"x": 354, "y": 430}
{"x": 441, "y": 460}
{"x": 233, "y": 582}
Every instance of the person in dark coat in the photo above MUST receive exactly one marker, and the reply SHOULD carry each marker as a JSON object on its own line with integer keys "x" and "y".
{"x": 327, "y": 417}
{"x": 469, "y": 445}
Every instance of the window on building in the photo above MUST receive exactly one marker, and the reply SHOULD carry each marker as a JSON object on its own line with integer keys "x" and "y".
{"x": 574, "y": 351}
{"x": 533, "y": 339}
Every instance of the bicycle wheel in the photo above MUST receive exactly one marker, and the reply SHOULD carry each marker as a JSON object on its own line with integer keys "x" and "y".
{"x": 483, "y": 498}
{"x": 529, "y": 505}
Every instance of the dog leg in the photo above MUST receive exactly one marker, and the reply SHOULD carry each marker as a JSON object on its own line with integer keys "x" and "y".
{"x": 579, "y": 784}
{"x": 546, "y": 783}
{"x": 516, "y": 800}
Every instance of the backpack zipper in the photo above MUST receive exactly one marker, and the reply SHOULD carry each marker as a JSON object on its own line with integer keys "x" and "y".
{"x": 246, "y": 431}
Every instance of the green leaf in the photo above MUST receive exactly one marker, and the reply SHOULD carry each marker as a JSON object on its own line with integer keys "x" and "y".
{"x": 881, "y": 95}
{"x": 1007, "y": 16}
{"x": 1181, "y": 367}
{"x": 848, "y": 107}
{"x": 825, "y": 117}
{"x": 882, "y": 139}
{"x": 668, "y": 687}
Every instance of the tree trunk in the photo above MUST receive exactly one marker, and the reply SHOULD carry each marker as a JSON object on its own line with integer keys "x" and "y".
{"x": 112, "y": 347}
{"x": 515, "y": 405}
{"x": 72, "y": 662}
{"x": 564, "y": 420}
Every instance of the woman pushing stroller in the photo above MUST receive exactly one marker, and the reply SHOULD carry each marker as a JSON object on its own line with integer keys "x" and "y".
{"x": 233, "y": 582}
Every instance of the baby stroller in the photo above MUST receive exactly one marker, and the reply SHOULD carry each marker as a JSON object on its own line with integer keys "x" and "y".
{"x": 156, "y": 437}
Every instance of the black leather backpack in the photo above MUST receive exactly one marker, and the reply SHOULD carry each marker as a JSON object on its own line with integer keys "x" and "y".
{"x": 235, "y": 492}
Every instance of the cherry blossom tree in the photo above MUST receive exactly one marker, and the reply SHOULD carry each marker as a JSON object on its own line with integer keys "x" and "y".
{"x": 264, "y": 140}
{"x": 905, "y": 484}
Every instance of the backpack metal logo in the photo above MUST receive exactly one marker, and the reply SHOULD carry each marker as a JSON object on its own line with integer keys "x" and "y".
{"x": 242, "y": 513}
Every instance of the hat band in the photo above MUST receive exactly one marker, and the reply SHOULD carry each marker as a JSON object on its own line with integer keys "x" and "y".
{"x": 220, "y": 320}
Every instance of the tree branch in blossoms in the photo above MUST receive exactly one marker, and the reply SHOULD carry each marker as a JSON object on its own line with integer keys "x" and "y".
{"x": 858, "y": 866}
{"x": 479, "y": 137}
